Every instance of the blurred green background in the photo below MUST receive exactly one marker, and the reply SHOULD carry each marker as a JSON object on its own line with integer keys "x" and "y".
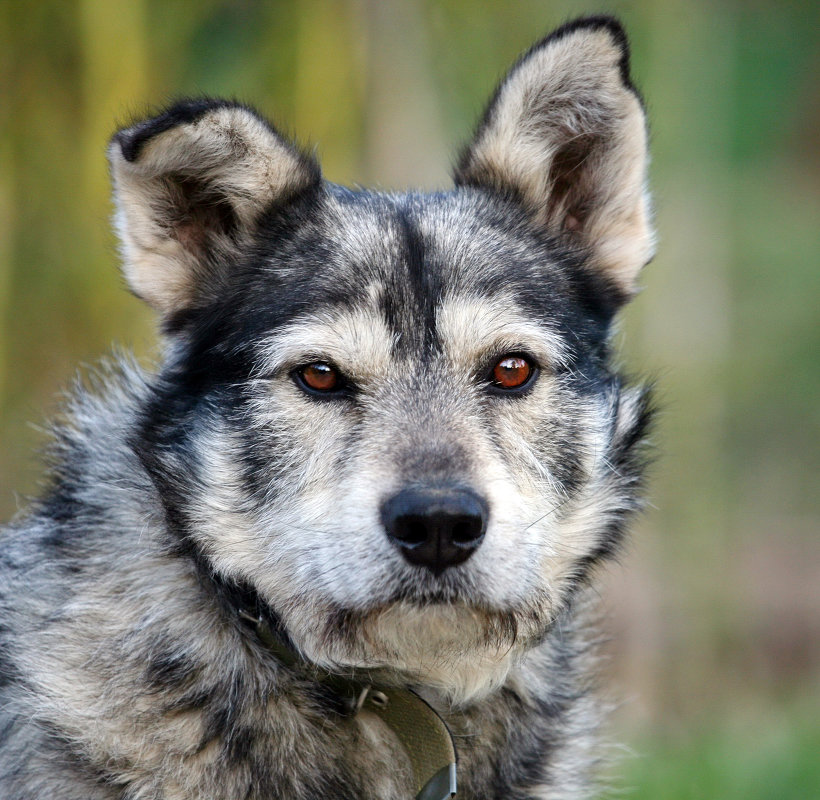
{"x": 715, "y": 611}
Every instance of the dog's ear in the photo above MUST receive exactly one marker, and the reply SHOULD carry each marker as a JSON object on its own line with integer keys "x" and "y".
{"x": 565, "y": 133}
{"x": 190, "y": 186}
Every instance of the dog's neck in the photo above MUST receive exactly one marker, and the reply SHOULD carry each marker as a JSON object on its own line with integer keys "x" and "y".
{"x": 423, "y": 734}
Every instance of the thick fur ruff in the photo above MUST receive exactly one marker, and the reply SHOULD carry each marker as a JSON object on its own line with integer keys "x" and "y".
{"x": 225, "y": 482}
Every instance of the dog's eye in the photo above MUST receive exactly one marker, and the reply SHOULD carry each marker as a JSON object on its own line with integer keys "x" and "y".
{"x": 319, "y": 377}
{"x": 512, "y": 372}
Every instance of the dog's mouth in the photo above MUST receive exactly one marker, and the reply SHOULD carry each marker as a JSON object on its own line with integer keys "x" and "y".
{"x": 460, "y": 649}
{"x": 435, "y": 619}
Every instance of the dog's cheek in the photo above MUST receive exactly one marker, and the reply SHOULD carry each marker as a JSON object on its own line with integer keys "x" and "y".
{"x": 582, "y": 441}
{"x": 505, "y": 566}
{"x": 359, "y": 565}
{"x": 293, "y": 444}
{"x": 546, "y": 450}
{"x": 265, "y": 496}
{"x": 519, "y": 462}
{"x": 324, "y": 486}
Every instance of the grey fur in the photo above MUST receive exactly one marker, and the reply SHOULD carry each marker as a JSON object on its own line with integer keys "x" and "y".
{"x": 126, "y": 670}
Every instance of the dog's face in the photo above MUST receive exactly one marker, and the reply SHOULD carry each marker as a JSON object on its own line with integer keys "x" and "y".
{"x": 393, "y": 416}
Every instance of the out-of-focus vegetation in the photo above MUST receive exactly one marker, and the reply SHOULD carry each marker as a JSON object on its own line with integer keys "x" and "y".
{"x": 716, "y": 610}
{"x": 764, "y": 759}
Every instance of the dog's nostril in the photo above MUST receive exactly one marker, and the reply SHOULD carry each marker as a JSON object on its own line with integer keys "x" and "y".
{"x": 467, "y": 530}
{"x": 411, "y": 530}
{"x": 435, "y": 527}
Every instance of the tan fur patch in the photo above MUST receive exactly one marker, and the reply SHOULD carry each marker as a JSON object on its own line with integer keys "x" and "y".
{"x": 234, "y": 161}
{"x": 569, "y": 137}
{"x": 473, "y": 328}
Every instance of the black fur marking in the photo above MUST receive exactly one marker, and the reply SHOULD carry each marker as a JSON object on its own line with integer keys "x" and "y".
{"x": 222, "y": 714}
{"x": 342, "y": 625}
{"x": 324, "y": 700}
{"x": 9, "y": 671}
{"x": 630, "y": 457}
{"x": 161, "y": 447}
{"x": 168, "y": 668}
{"x": 564, "y": 455}
{"x": 240, "y": 601}
{"x": 62, "y": 506}
{"x": 193, "y": 700}
{"x": 184, "y": 112}
{"x": 421, "y": 285}
{"x": 239, "y": 744}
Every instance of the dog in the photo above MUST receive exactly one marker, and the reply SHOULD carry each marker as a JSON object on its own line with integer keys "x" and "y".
{"x": 340, "y": 544}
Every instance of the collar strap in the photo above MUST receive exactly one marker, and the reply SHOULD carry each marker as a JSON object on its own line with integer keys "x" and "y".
{"x": 422, "y": 733}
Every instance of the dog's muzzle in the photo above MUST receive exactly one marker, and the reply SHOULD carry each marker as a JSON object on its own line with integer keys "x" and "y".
{"x": 435, "y": 527}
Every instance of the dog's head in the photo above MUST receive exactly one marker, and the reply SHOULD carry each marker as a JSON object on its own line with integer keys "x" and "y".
{"x": 393, "y": 416}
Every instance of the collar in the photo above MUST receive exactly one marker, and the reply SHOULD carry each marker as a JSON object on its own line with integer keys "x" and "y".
{"x": 423, "y": 734}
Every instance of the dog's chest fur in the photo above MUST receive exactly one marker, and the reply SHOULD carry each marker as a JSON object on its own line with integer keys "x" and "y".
{"x": 388, "y": 426}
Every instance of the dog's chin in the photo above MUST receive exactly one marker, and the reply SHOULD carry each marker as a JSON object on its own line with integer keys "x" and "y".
{"x": 461, "y": 651}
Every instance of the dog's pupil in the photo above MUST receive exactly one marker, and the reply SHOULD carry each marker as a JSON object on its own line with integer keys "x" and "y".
{"x": 511, "y": 372}
{"x": 320, "y": 376}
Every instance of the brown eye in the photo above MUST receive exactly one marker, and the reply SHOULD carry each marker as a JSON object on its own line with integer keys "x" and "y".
{"x": 320, "y": 377}
{"x": 512, "y": 372}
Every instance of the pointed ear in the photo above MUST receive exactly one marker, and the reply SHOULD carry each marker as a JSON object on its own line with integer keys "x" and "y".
{"x": 565, "y": 133}
{"x": 190, "y": 186}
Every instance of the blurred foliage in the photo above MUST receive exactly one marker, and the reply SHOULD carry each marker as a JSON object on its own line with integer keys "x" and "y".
{"x": 718, "y": 602}
{"x": 775, "y": 761}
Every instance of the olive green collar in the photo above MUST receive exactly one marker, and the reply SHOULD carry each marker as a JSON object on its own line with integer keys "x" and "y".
{"x": 422, "y": 733}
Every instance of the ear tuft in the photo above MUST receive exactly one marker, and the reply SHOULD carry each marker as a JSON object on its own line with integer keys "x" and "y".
{"x": 183, "y": 112}
{"x": 190, "y": 186}
{"x": 600, "y": 23}
{"x": 565, "y": 134}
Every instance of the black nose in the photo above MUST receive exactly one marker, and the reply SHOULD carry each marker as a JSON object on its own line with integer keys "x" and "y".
{"x": 434, "y": 527}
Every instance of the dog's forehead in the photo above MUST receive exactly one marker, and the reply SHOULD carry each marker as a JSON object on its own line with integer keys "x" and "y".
{"x": 413, "y": 275}
{"x": 432, "y": 244}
